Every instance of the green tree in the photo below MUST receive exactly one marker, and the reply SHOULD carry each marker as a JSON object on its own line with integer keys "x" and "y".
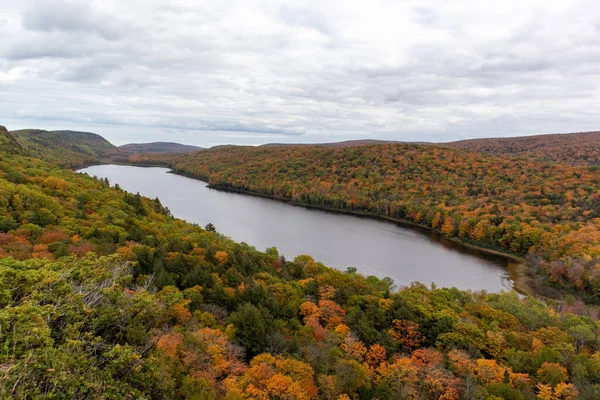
{"x": 250, "y": 329}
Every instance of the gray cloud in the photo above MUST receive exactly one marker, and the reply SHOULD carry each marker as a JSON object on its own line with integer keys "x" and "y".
{"x": 254, "y": 72}
{"x": 70, "y": 16}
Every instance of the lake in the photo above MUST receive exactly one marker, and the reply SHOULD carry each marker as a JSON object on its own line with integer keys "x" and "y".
{"x": 374, "y": 247}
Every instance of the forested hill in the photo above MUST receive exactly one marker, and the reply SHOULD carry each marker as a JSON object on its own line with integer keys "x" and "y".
{"x": 158, "y": 147}
{"x": 573, "y": 148}
{"x": 346, "y": 143}
{"x": 74, "y": 149}
{"x": 549, "y": 212}
{"x": 64, "y": 148}
{"x": 8, "y": 143}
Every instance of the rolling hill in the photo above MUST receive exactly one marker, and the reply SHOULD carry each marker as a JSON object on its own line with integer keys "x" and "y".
{"x": 571, "y": 148}
{"x": 159, "y": 147}
{"x": 345, "y": 143}
{"x": 74, "y": 149}
{"x": 64, "y": 148}
{"x": 566, "y": 148}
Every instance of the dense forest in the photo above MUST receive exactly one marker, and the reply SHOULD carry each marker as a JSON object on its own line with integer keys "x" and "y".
{"x": 574, "y": 148}
{"x": 105, "y": 295}
{"x": 549, "y": 213}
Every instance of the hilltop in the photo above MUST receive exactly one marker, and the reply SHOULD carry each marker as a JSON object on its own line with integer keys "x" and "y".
{"x": 159, "y": 147}
{"x": 65, "y": 148}
{"x": 568, "y": 148}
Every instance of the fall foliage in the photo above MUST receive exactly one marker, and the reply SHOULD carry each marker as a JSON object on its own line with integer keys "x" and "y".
{"x": 105, "y": 295}
{"x": 547, "y": 212}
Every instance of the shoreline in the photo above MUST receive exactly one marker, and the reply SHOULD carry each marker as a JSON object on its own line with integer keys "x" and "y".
{"x": 516, "y": 268}
{"x": 109, "y": 161}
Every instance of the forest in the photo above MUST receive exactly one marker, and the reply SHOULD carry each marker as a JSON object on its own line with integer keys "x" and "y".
{"x": 546, "y": 212}
{"x": 105, "y": 295}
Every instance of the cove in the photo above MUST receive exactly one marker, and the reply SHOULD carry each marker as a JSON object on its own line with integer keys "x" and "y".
{"x": 374, "y": 247}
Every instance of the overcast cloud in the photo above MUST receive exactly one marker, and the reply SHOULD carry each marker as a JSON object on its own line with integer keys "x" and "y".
{"x": 259, "y": 71}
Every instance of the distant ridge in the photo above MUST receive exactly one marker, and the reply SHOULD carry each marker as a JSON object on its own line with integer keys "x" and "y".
{"x": 582, "y": 148}
{"x": 83, "y": 142}
{"x": 346, "y": 143}
{"x": 72, "y": 148}
{"x": 159, "y": 147}
{"x": 65, "y": 148}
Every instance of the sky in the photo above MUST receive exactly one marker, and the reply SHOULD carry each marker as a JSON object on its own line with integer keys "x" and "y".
{"x": 260, "y": 71}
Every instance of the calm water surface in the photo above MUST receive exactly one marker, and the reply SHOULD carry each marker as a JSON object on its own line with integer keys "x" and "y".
{"x": 374, "y": 247}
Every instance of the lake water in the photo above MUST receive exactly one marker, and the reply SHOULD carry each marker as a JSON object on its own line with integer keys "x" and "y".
{"x": 373, "y": 247}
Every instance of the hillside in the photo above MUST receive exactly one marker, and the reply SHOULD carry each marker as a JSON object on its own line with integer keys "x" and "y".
{"x": 573, "y": 148}
{"x": 547, "y": 212}
{"x": 65, "y": 148}
{"x": 158, "y": 147}
{"x": 104, "y": 295}
{"x": 8, "y": 143}
{"x": 581, "y": 149}
{"x": 346, "y": 143}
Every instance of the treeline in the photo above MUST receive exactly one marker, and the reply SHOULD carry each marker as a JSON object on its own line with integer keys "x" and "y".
{"x": 104, "y": 295}
{"x": 574, "y": 148}
{"x": 547, "y": 212}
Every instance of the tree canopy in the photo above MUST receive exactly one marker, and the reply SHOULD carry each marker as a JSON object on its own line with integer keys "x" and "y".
{"x": 105, "y": 295}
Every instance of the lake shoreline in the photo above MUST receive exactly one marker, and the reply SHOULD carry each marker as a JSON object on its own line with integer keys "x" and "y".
{"x": 110, "y": 161}
{"x": 517, "y": 268}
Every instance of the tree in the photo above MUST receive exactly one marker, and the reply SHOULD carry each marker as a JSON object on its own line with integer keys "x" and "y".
{"x": 210, "y": 227}
{"x": 376, "y": 356}
{"x": 552, "y": 373}
{"x": 197, "y": 389}
{"x": 250, "y": 329}
{"x": 406, "y": 333}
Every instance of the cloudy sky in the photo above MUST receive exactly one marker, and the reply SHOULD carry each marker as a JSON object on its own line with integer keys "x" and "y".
{"x": 259, "y": 71}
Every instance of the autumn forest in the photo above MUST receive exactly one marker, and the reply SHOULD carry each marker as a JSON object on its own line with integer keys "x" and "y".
{"x": 106, "y": 295}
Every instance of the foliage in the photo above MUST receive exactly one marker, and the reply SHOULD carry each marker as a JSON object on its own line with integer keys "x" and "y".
{"x": 104, "y": 295}
{"x": 549, "y": 212}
